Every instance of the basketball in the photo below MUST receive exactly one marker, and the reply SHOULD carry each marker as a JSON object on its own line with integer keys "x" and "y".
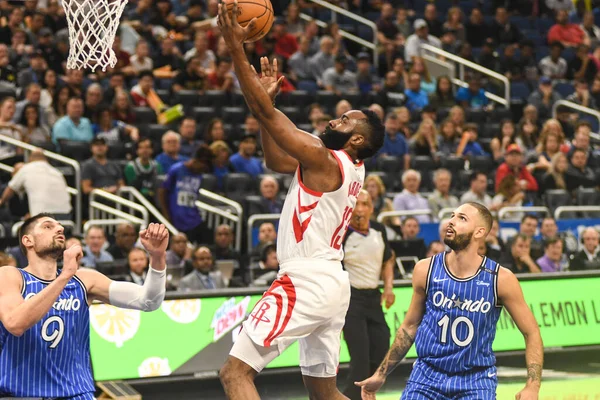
{"x": 262, "y": 10}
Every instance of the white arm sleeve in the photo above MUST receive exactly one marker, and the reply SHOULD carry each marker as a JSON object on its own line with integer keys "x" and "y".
{"x": 145, "y": 298}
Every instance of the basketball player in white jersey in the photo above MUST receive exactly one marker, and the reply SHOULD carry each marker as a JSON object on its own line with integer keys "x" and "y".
{"x": 309, "y": 300}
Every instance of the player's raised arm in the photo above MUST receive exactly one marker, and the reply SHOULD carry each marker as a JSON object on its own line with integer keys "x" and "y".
{"x": 18, "y": 315}
{"x": 405, "y": 336}
{"x": 511, "y": 297}
{"x": 307, "y": 149}
{"x": 147, "y": 297}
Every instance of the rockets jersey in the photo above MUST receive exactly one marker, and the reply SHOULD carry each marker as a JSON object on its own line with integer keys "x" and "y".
{"x": 313, "y": 224}
{"x": 459, "y": 325}
{"x": 52, "y": 358}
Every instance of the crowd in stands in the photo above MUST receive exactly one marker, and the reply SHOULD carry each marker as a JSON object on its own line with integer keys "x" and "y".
{"x": 444, "y": 145}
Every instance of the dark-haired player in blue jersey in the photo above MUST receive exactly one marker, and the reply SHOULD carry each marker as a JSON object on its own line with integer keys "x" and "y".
{"x": 44, "y": 315}
{"x": 457, "y": 299}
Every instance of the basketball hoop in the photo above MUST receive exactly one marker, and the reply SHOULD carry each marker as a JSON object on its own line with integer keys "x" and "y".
{"x": 92, "y": 28}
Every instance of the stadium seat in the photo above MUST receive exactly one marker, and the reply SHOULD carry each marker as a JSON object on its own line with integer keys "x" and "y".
{"x": 476, "y": 116}
{"x": 327, "y": 100}
{"x": 234, "y": 115}
{"x": 306, "y": 127}
{"x": 392, "y": 166}
{"x": 543, "y": 25}
{"x": 500, "y": 113}
{"x": 253, "y": 205}
{"x": 454, "y": 165}
{"x": 155, "y": 132}
{"x": 203, "y": 115}
{"x": 482, "y": 163}
{"x": 209, "y": 182}
{"x": 389, "y": 181}
{"x": 521, "y": 22}
{"x": 236, "y": 99}
{"x": 564, "y": 88}
{"x": 213, "y": 98}
{"x": 588, "y": 197}
{"x": 557, "y": 198}
{"x": 425, "y": 165}
{"x": 489, "y": 130}
{"x": 7, "y": 92}
{"x": 238, "y": 185}
{"x": 188, "y": 98}
{"x": 295, "y": 114}
{"x": 164, "y": 94}
{"x": 144, "y": 115}
{"x": 297, "y": 98}
{"x": 76, "y": 150}
{"x": 519, "y": 90}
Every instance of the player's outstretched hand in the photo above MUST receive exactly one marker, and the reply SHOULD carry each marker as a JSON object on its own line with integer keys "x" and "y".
{"x": 71, "y": 258}
{"x": 529, "y": 393}
{"x": 231, "y": 30}
{"x": 155, "y": 239}
{"x": 370, "y": 386}
{"x": 268, "y": 78}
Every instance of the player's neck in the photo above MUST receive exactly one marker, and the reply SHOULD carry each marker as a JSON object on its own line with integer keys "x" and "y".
{"x": 465, "y": 263}
{"x": 42, "y": 267}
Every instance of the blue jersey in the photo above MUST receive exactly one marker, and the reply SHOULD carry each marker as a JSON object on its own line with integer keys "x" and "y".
{"x": 52, "y": 358}
{"x": 182, "y": 186}
{"x": 459, "y": 325}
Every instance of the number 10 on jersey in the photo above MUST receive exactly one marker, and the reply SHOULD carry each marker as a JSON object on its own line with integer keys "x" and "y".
{"x": 444, "y": 323}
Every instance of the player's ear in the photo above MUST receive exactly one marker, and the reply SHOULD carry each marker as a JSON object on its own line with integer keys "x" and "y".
{"x": 27, "y": 240}
{"x": 480, "y": 232}
{"x": 357, "y": 140}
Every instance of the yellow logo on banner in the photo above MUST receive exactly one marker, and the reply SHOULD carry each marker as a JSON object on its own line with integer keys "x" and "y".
{"x": 154, "y": 366}
{"x": 115, "y": 325}
{"x": 182, "y": 311}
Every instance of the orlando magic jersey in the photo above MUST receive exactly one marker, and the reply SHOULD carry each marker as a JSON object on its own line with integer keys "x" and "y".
{"x": 459, "y": 325}
{"x": 52, "y": 358}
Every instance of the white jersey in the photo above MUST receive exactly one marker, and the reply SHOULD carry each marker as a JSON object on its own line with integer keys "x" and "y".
{"x": 313, "y": 224}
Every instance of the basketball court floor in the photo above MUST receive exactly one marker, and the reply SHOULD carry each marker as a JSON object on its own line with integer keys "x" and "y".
{"x": 571, "y": 375}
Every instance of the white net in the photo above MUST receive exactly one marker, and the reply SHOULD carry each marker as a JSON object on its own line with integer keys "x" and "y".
{"x": 92, "y": 28}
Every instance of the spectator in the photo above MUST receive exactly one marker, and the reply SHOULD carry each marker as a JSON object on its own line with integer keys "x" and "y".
{"x": 394, "y": 143}
{"x": 428, "y": 84}
{"x": 267, "y": 268}
{"x": 564, "y": 116}
{"x": 137, "y": 265}
{"x": 412, "y": 47}
{"x": 93, "y": 251}
{"x": 557, "y": 5}
{"x": 13, "y": 23}
{"x": 171, "y": 144}
{"x": 75, "y": 80}
{"x": 454, "y": 23}
{"x": 141, "y": 61}
{"x": 434, "y": 248}
{"x": 529, "y": 227}
{"x": 214, "y": 131}
{"x": 549, "y": 230}
{"x": 402, "y": 23}
{"x": 223, "y": 250}
{"x": 442, "y": 97}
{"x": 476, "y": 30}
{"x": 366, "y": 80}
{"x": 202, "y": 51}
{"x": 581, "y": 67}
{"x": 8, "y": 75}
{"x": 342, "y": 107}
{"x": 527, "y": 135}
{"x": 295, "y": 24}
{"x": 376, "y": 189}
{"x": 416, "y": 98}
{"x": 457, "y": 115}
{"x": 32, "y": 129}
{"x": 169, "y": 56}
{"x": 555, "y": 178}
{"x": 553, "y": 255}
{"x": 424, "y": 142}
{"x": 122, "y": 108}
{"x": 267, "y": 234}
{"x": 269, "y": 202}
{"x": 477, "y": 191}
{"x": 45, "y": 186}
{"x": 544, "y": 97}
{"x": 441, "y": 197}
{"x": 502, "y": 31}
{"x": 579, "y": 174}
{"x": 320, "y": 124}
{"x": 222, "y": 77}
{"x": 387, "y": 31}
{"x": 466, "y": 51}
{"x": 391, "y": 92}
{"x": 142, "y": 173}
{"x": 93, "y": 102}
{"x": 511, "y": 65}
{"x": 488, "y": 58}
{"x": 505, "y": 137}
{"x": 179, "y": 253}
{"x": 220, "y": 165}
{"x": 473, "y": 96}
{"x": 468, "y": 145}
{"x": 33, "y": 94}
{"x": 188, "y": 143}
{"x": 179, "y": 192}
{"x": 73, "y": 126}
{"x": 323, "y": 60}
{"x": 494, "y": 243}
{"x": 549, "y": 144}
{"x": 141, "y": 92}
{"x": 125, "y": 238}
{"x": 193, "y": 77}
{"x": 410, "y": 199}
{"x": 582, "y": 139}
{"x": 512, "y": 165}
{"x": 433, "y": 23}
{"x": 509, "y": 194}
{"x": 588, "y": 258}
{"x": 35, "y": 72}
{"x": 299, "y": 62}
{"x": 285, "y": 43}
{"x": 518, "y": 259}
{"x": 447, "y": 140}
{"x": 203, "y": 277}
{"x": 569, "y": 35}
{"x": 100, "y": 173}
{"x": 410, "y": 228}
{"x": 244, "y": 160}
{"x": 7, "y": 128}
{"x": 338, "y": 79}
{"x": 582, "y": 95}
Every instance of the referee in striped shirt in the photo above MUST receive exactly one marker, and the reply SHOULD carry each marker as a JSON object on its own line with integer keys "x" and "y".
{"x": 367, "y": 258}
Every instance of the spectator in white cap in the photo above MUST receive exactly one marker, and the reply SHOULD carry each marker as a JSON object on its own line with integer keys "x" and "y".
{"x": 412, "y": 48}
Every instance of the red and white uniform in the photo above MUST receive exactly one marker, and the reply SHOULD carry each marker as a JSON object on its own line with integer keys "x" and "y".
{"x": 309, "y": 300}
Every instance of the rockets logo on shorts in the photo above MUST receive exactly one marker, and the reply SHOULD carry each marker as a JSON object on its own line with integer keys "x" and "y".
{"x": 259, "y": 315}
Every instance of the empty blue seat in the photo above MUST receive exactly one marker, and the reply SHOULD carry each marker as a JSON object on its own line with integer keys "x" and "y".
{"x": 564, "y": 88}
{"x": 519, "y": 90}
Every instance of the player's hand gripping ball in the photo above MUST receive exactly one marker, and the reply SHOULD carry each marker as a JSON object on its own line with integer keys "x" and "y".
{"x": 262, "y": 10}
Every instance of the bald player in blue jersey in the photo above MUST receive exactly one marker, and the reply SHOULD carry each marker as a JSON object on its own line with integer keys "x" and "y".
{"x": 456, "y": 303}
{"x": 44, "y": 311}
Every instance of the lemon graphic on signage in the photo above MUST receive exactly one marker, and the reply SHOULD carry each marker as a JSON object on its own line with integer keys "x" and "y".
{"x": 115, "y": 325}
{"x": 154, "y": 366}
{"x": 182, "y": 311}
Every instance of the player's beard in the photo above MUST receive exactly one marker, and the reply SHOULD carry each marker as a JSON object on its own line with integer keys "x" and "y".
{"x": 459, "y": 242}
{"x": 54, "y": 250}
{"x": 333, "y": 139}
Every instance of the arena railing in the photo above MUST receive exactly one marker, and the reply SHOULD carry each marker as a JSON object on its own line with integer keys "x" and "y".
{"x": 134, "y": 195}
{"x": 76, "y": 191}
{"x": 102, "y": 211}
{"x": 581, "y": 109}
{"x": 253, "y": 219}
{"x": 223, "y": 210}
{"x": 563, "y": 209}
{"x": 460, "y": 81}
{"x": 102, "y": 222}
{"x": 527, "y": 210}
{"x": 411, "y": 213}
{"x": 335, "y": 10}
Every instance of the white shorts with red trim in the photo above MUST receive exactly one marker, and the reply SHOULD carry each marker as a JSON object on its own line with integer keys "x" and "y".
{"x": 307, "y": 303}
